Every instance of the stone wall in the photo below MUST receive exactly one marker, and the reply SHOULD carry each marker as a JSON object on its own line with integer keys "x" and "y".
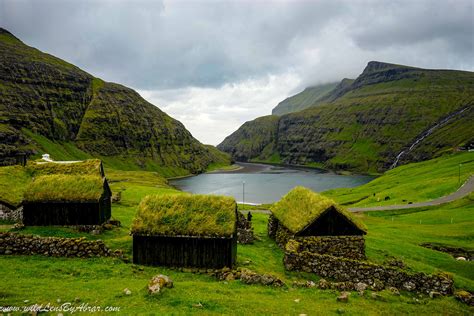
{"x": 272, "y": 226}
{"x": 344, "y": 270}
{"x": 17, "y": 244}
{"x": 352, "y": 247}
{"x": 244, "y": 230}
{"x": 10, "y": 213}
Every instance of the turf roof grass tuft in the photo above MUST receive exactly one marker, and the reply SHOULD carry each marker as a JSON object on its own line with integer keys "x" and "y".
{"x": 301, "y": 206}
{"x": 60, "y": 187}
{"x": 186, "y": 215}
{"x": 86, "y": 167}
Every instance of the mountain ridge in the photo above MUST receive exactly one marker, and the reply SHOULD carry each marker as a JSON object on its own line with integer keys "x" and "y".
{"x": 363, "y": 124}
{"x": 45, "y": 96}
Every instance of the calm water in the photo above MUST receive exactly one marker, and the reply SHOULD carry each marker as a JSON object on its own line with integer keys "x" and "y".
{"x": 265, "y": 184}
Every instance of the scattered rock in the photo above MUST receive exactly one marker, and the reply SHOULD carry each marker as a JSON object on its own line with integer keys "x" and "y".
{"x": 394, "y": 291}
{"x": 461, "y": 259}
{"x": 434, "y": 294}
{"x": 340, "y": 311}
{"x": 158, "y": 283}
{"x": 323, "y": 284}
{"x": 198, "y": 305}
{"x": 377, "y": 297}
{"x": 360, "y": 287}
{"x": 344, "y": 297}
{"x": 465, "y": 297}
{"x": 297, "y": 300}
{"x": 127, "y": 292}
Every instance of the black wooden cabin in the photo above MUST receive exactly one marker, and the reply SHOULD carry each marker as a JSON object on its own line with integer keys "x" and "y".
{"x": 207, "y": 237}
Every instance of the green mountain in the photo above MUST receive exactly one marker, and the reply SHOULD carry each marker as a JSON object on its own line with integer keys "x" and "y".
{"x": 49, "y": 105}
{"x": 303, "y": 100}
{"x": 389, "y": 115}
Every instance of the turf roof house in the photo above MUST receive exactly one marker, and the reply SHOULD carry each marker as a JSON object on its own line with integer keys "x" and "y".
{"x": 318, "y": 225}
{"x": 186, "y": 231}
{"x": 67, "y": 193}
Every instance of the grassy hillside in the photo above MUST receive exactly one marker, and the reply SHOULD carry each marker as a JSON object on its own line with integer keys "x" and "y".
{"x": 365, "y": 123}
{"x": 101, "y": 281}
{"x": 414, "y": 182}
{"x": 255, "y": 139}
{"x": 49, "y": 105}
{"x": 303, "y": 100}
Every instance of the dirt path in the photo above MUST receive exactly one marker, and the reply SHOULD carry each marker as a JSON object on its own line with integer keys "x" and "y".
{"x": 464, "y": 190}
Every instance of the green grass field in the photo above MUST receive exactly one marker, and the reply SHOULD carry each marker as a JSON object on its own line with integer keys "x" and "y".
{"x": 101, "y": 281}
{"x": 414, "y": 182}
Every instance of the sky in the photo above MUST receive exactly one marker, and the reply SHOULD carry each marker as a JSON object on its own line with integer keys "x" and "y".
{"x": 214, "y": 65}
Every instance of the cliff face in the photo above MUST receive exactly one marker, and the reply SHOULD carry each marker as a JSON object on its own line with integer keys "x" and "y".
{"x": 364, "y": 124}
{"x": 45, "y": 98}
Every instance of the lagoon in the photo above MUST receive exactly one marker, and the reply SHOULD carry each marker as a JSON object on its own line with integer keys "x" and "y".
{"x": 265, "y": 183}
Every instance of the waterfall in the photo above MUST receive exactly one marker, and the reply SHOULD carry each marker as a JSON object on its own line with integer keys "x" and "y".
{"x": 427, "y": 133}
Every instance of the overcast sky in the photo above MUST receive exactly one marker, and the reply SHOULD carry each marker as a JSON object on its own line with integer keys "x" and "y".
{"x": 214, "y": 64}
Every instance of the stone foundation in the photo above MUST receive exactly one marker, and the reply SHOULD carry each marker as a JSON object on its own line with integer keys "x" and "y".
{"x": 354, "y": 271}
{"x": 351, "y": 247}
{"x": 17, "y": 244}
{"x": 10, "y": 213}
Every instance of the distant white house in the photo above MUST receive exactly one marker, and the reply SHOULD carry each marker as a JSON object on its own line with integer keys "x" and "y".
{"x": 47, "y": 158}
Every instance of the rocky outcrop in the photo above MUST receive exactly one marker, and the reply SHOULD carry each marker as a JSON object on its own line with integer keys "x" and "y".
{"x": 17, "y": 244}
{"x": 376, "y": 276}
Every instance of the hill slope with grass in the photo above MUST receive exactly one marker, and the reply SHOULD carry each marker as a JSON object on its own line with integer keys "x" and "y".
{"x": 303, "y": 100}
{"x": 47, "y": 103}
{"x": 364, "y": 124}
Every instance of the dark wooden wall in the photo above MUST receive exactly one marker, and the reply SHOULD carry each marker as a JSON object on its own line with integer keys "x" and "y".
{"x": 331, "y": 223}
{"x": 66, "y": 213}
{"x": 213, "y": 253}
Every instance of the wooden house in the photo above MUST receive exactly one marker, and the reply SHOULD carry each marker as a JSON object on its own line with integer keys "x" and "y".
{"x": 64, "y": 193}
{"x": 186, "y": 231}
{"x": 318, "y": 223}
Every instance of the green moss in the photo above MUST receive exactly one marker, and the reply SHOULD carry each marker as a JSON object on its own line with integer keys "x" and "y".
{"x": 301, "y": 206}
{"x": 62, "y": 187}
{"x": 186, "y": 214}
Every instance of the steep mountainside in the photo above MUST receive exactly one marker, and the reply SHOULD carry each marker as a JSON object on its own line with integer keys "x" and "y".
{"x": 364, "y": 124}
{"x": 47, "y": 103}
{"x": 303, "y": 100}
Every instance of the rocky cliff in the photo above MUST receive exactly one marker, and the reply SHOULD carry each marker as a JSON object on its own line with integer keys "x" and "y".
{"x": 47, "y": 104}
{"x": 363, "y": 124}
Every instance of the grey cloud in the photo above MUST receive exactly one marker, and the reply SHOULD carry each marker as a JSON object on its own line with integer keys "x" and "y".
{"x": 216, "y": 59}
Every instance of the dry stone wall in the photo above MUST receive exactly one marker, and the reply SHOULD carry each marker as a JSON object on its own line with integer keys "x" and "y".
{"x": 352, "y": 247}
{"x": 244, "y": 230}
{"x": 17, "y": 244}
{"x": 348, "y": 270}
{"x": 10, "y": 213}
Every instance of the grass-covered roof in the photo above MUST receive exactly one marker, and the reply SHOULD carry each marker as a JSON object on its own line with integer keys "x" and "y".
{"x": 85, "y": 167}
{"x": 60, "y": 187}
{"x": 300, "y": 207}
{"x": 186, "y": 215}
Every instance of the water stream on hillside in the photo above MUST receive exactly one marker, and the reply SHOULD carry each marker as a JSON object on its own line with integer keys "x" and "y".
{"x": 265, "y": 183}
